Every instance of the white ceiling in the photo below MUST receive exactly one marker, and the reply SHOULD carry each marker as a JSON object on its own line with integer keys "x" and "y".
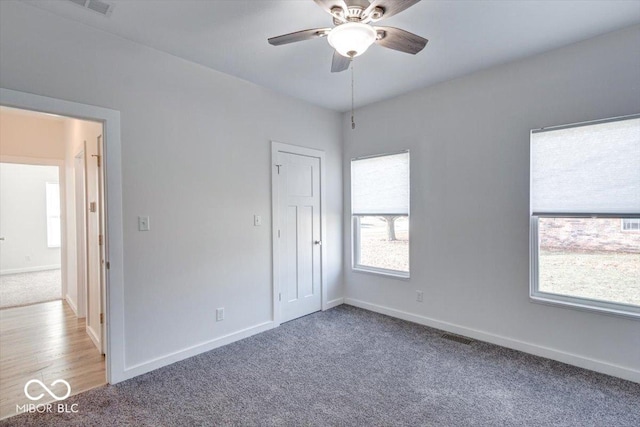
{"x": 464, "y": 36}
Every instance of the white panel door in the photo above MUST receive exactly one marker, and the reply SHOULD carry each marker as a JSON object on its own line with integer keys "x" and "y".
{"x": 298, "y": 235}
{"x": 93, "y": 176}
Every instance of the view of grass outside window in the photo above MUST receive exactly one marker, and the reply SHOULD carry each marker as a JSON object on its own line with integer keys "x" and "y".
{"x": 384, "y": 242}
{"x": 585, "y": 215}
{"x": 589, "y": 258}
{"x": 380, "y": 209}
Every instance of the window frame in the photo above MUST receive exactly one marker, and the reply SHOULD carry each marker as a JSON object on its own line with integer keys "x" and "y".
{"x": 575, "y": 302}
{"x": 51, "y": 216}
{"x": 536, "y": 295}
{"x": 355, "y": 228}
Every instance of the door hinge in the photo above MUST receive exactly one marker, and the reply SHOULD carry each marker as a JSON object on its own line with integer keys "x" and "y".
{"x": 101, "y": 318}
{"x": 93, "y": 207}
{"x": 98, "y": 157}
{"x": 280, "y": 296}
{"x": 108, "y": 265}
{"x": 278, "y": 166}
{"x": 278, "y": 234}
{"x": 100, "y": 239}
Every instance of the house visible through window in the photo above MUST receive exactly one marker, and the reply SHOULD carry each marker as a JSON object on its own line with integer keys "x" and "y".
{"x": 380, "y": 214}
{"x": 585, "y": 183}
{"x": 53, "y": 214}
{"x": 631, "y": 224}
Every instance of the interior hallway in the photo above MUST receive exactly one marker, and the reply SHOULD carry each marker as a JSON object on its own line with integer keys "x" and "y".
{"x": 45, "y": 342}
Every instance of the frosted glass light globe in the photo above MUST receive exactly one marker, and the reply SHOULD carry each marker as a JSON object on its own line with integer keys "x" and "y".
{"x": 352, "y": 39}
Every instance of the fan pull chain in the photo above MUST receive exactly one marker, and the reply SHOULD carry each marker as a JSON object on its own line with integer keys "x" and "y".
{"x": 353, "y": 122}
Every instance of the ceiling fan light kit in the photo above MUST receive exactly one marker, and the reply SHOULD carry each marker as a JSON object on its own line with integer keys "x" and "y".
{"x": 352, "y": 39}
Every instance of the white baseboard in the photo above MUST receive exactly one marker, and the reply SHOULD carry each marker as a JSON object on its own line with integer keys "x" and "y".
{"x": 549, "y": 353}
{"x": 94, "y": 338}
{"x": 72, "y": 304}
{"x": 334, "y": 303}
{"x": 159, "y": 362}
{"x": 30, "y": 269}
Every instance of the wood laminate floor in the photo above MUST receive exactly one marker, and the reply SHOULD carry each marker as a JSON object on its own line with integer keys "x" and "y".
{"x": 45, "y": 342}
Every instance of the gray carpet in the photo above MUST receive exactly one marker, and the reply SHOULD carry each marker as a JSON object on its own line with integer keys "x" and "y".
{"x": 351, "y": 367}
{"x": 30, "y": 288}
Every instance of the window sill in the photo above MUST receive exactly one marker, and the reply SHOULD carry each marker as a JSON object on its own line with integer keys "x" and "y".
{"x": 381, "y": 272}
{"x": 600, "y": 307}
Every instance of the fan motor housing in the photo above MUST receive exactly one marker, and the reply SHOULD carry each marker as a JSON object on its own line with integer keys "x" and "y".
{"x": 355, "y": 12}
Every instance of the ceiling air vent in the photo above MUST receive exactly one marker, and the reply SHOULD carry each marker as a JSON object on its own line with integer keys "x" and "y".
{"x": 95, "y": 5}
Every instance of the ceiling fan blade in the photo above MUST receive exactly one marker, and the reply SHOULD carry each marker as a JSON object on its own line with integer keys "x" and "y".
{"x": 404, "y": 41}
{"x": 390, "y": 7}
{"x": 299, "y": 36}
{"x": 339, "y": 63}
{"x": 327, "y": 5}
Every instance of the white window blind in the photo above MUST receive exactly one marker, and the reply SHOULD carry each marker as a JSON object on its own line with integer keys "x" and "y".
{"x": 53, "y": 214}
{"x": 380, "y": 185}
{"x": 587, "y": 169}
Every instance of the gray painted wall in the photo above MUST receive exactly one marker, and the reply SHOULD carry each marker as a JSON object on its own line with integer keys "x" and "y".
{"x": 196, "y": 158}
{"x": 469, "y": 142}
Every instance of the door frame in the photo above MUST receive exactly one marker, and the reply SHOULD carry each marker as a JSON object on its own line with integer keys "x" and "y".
{"x": 279, "y": 147}
{"x": 81, "y": 232}
{"x": 113, "y": 237}
{"x": 97, "y": 334}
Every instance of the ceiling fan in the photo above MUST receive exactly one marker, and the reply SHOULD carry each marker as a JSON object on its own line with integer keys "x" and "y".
{"x": 354, "y": 33}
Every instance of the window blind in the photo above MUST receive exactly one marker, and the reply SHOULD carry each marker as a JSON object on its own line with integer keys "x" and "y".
{"x": 587, "y": 169}
{"x": 380, "y": 185}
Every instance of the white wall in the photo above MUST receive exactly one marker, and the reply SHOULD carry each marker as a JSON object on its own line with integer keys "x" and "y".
{"x": 196, "y": 159}
{"x": 469, "y": 142}
{"x": 23, "y": 218}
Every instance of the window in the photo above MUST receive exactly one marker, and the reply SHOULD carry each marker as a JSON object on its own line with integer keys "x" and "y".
{"x": 585, "y": 182}
{"x": 380, "y": 214}
{"x": 630, "y": 224}
{"x": 53, "y": 214}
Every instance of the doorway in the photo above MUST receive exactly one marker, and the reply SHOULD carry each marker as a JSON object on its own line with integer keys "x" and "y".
{"x": 63, "y": 339}
{"x": 298, "y": 230}
{"x": 114, "y": 338}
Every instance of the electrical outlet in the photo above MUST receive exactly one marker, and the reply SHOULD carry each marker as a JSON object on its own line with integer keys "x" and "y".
{"x": 257, "y": 220}
{"x": 419, "y": 296}
{"x": 143, "y": 223}
{"x": 219, "y": 314}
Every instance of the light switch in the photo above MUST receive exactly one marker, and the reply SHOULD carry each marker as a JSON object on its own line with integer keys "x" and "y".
{"x": 257, "y": 220}
{"x": 143, "y": 223}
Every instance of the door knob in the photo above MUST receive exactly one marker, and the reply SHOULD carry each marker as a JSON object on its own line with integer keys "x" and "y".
{"x": 318, "y": 242}
{"x": 1, "y": 238}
